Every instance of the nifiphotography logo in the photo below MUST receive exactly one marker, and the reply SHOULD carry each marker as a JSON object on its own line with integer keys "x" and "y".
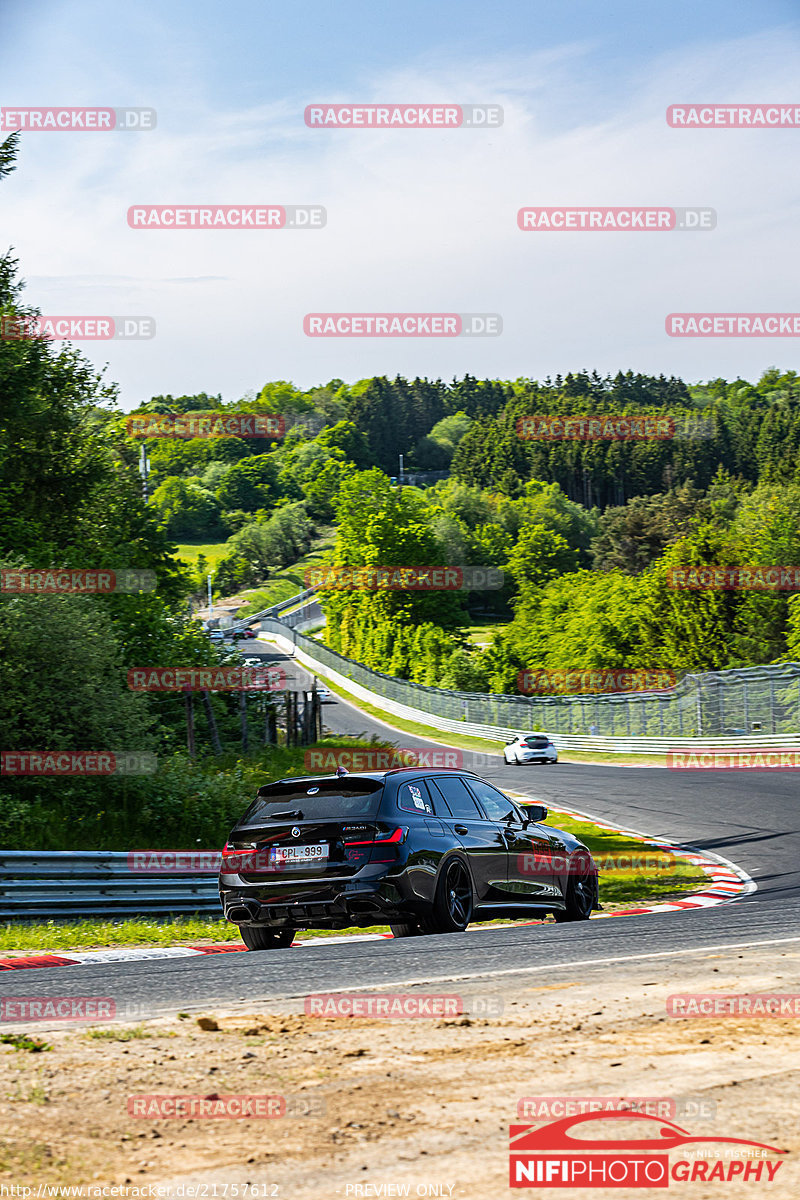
{"x": 573, "y": 1152}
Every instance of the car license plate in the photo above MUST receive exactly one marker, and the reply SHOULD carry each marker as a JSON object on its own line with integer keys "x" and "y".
{"x": 298, "y": 855}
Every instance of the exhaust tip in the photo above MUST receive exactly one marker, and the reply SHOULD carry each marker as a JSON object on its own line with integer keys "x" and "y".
{"x": 242, "y": 911}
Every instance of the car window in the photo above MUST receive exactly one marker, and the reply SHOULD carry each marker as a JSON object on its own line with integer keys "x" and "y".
{"x": 336, "y": 798}
{"x": 414, "y": 797}
{"x": 516, "y": 812}
{"x": 457, "y": 797}
{"x": 498, "y": 807}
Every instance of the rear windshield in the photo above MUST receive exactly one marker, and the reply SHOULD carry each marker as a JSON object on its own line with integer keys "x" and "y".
{"x": 326, "y": 798}
{"x": 536, "y": 741}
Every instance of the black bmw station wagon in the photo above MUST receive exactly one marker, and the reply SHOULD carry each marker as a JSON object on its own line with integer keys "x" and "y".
{"x": 425, "y": 851}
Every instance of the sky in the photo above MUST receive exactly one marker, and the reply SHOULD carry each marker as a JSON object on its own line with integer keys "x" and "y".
{"x": 418, "y": 220}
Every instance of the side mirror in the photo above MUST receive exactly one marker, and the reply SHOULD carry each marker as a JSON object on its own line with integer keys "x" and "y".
{"x": 536, "y": 812}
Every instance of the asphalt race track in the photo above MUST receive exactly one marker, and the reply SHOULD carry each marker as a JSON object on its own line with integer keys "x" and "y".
{"x": 751, "y": 818}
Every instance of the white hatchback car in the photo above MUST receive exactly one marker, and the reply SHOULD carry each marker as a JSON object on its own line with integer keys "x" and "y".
{"x": 529, "y": 748}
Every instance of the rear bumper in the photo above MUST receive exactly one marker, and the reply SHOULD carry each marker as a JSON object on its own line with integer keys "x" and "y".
{"x": 329, "y": 905}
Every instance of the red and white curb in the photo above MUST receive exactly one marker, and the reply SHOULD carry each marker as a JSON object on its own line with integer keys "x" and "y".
{"x": 728, "y": 883}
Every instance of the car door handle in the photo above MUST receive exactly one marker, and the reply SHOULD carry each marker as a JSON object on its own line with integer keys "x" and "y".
{"x": 460, "y": 829}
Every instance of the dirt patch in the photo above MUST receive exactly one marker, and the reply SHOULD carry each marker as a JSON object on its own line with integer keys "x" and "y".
{"x": 420, "y": 1102}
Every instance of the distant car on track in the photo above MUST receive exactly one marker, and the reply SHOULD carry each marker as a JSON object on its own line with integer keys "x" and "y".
{"x": 243, "y": 634}
{"x": 217, "y": 636}
{"x": 422, "y": 850}
{"x": 529, "y": 748}
{"x": 325, "y": 696}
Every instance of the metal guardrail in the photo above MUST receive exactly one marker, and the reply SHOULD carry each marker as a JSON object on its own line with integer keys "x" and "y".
{"x": 38, "y": 884}
{"x": 737, "y": 707}
{"x": 307, "y": 617}
{"x": 273, "y": 611}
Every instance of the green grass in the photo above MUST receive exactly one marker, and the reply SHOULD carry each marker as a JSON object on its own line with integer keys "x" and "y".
{"x": 213, "y": 551}
{"x": 482, "y": 632}
{"x": 123, "y": 1035}
{"x": 21, "y": 1041}
{"x": 91, "y": 934}
{"x": 286, "y": 582}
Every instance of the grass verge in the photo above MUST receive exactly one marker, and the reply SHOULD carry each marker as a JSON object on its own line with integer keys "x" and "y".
{"x": 286, "y": 582}
{"x": 189, "y": 552}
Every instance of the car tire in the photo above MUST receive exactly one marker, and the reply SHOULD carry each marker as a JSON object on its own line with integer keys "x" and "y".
{"x": 257, "y": 937}
{"x": 452, "y": 905}
{"x": 581, "y": 891}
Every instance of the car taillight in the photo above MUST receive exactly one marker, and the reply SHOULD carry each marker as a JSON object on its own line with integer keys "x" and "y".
{"x": 387, "y": 835}
{"x": 235, "y": 858}
{"x": 365, "y": 851}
